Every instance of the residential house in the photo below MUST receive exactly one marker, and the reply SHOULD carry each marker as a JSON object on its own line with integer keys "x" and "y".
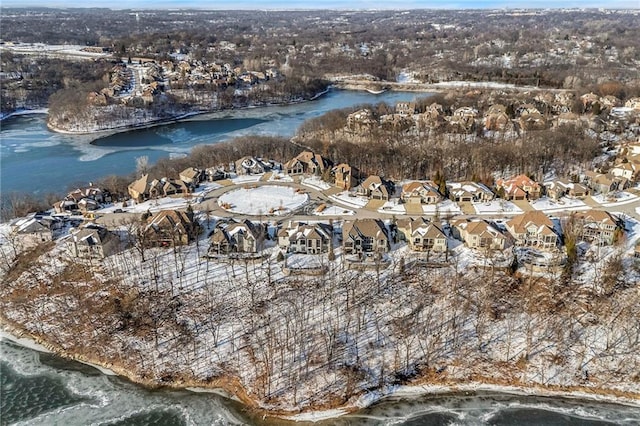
{"x": 365, "y": 236}
{"x": 88, "y": 205}
{"x": 40, "y": 229}
{"x": 192, "y": 176}
{"x": 166, "y": 187}
{"x": 633, "y": 103}
{"x": 431, "y": 118}
{"x": 361, "y": 120}
{"x": 237, "y": 237}
{"x": 533, "y": 229}
{"x": 604, "y": 183}
{"x": 376, "y": 188}
{"x": 469, "y": 192}
{"x": 66, "y": 205}
{"x": 346, "y": 176}
{"x": 252, "y": 166}
{"x": 215, "y": 173}
{"x": 626, "y": 170}
{"x": 479, "y": 235}
{"x": 464, "y": 118}
{"x": 169, "y": 228}
{"x": 92, "y": 242}
{"x": 496, "y": 118}
{"x": 529, "y": 118}
{"x": 420, "y": 193}
{"x": 422, "y": 235}
{"x": 307, "y": 163}
{"x": 406, "y": 108}
{"x": 564, "y": 188}
{"x": 139, "y": 189}
{"x": 520, "y": 187}
{"x": 298, "y": 237}
{"x": 596, "y": 226}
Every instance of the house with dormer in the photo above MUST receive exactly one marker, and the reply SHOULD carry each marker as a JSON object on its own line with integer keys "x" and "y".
{"x": 307, "y": 163}
{"x": 422, "y": 235}
{"x": 376, "y": 188}
{"x": 299, "y": 237}
{"x": 92, "y": 242}
{"x": 168, "y": 228}
{"x": 365, "y": 236}
{"x": 559, "y": 188}
{"x": 346, "y": 176}
{"x": 192, "y": 176}
{"x": 237, "y": 237}
{"x": 520, "y": 187}
{"x": 420, "y": 193}
{"x": 469, "y": 192}
{"x": 596, "y": 226}
{"x": 479, "y": 234}
{"x": 533, "y": 229}
{"x": 252, "y": 166}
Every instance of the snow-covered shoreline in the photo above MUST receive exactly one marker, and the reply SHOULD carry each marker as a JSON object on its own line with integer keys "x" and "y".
{"x": 20, "y": 112}
{"x": 157, "y": 122}
{"x": 356, "y": 403}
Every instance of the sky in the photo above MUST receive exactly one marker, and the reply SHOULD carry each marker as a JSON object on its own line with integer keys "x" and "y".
{"x": 329, "y": 4}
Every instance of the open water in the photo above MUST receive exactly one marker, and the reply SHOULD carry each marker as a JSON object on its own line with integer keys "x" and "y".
{"x": 42, "y": 389}
{"x": 38, "y": 161}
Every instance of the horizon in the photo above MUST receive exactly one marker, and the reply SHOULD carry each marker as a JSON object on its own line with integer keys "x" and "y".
{"x": 360, "y": 5}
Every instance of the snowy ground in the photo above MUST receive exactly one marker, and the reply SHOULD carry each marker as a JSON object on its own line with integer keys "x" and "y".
{"x": 496, "y": 207}
{"x": 165, "y": 203}
{"x": 263, "y": 200}
{"x": 316, "y": 183}
{"x": 349, "y": 199}
{"x": 615, "y": 198}
{"x": 334, "y": 211}
{"x": 549, "y": 205}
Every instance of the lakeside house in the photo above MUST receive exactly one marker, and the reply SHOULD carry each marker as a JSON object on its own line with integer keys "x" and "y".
{"x": 596, "y": 226}
{"x": 236, "y": 237}
{"x": 469, "y": 191}
{"x": 420, "y": 193}
{"x": 299, "y": 237}
{"x": 564, "y": 188}
{"x": 40, "y": 229}
{"x": 533, "y": 229}
{"x": 139, "y": 189}
{"x": 376, "y": 188}
{"x": 520, "y": 187}
{"x": 192, "y": 176}
{"x": 422, "y": 235}
{"x": 252, "y": 166}
{"x": 92, "y": 242}
{"x": 479, "y": 234}
{"x": 307, "y": 163}
{"x": 169, "y": 228}
{"x": 346, "y": 176}
{"x": 365, "y": 236}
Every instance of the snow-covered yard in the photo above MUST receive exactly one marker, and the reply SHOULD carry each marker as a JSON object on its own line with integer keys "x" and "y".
{"x": 263, "y": 200}
{"x": 349, "y": 199}
{"x": 496, "y": 207}
{"x": 316, "y": 183}
{"x": 613, "y": 199}
{"x": 334, "y": 211}
{"x": 549, "y": 205}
